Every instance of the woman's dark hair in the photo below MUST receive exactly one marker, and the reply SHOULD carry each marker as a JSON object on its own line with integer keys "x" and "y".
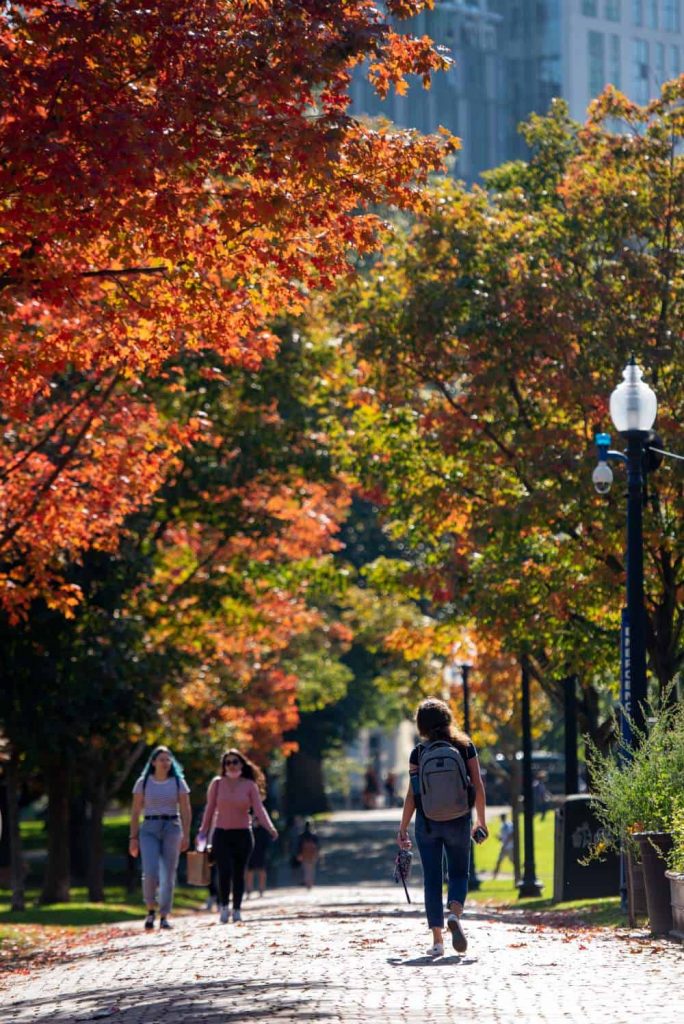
{"x": 249, "y": 769}
{"x": 434, "y": 721}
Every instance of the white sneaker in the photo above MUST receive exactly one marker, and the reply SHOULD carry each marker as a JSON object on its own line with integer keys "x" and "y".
{"x": 237, "y": 916}
{"x": 224, "y": 915}
{"x": 436, "y": 950}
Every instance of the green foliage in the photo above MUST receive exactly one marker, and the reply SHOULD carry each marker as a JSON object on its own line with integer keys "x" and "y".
{"x": 322, "y": 680}
{"x": 640, "y": 790}
{"x": 677, "y": 830}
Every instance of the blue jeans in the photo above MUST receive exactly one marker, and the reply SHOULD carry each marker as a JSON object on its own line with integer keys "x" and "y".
{"x": 453, "y": 838}
{"x": 160, "y": 843}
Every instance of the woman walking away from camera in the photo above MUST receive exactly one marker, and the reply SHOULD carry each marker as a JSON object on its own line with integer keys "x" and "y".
{"x": 445, "y": 782}
{"x": 230, "y": 797}
{"x": 161, "y": 794}
{"x": 308, "y": 851}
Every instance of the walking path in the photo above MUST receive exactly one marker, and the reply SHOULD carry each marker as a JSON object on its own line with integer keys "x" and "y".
{"x": 351, "y": 951}
{"x": 350, "y": 956}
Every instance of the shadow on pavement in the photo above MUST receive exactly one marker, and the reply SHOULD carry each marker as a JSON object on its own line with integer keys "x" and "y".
{"x": 431, "y": 961}
{"x": 204, "y": 1001}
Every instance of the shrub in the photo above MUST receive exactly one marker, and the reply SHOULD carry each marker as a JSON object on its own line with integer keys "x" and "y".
{"x": 640, "y": 790}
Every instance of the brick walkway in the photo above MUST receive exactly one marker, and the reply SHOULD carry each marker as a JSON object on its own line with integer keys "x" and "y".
{"x": 351, "y": 956}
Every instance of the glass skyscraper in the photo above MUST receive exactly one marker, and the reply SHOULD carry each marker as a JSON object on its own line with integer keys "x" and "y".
{"x": 512, "y": 57}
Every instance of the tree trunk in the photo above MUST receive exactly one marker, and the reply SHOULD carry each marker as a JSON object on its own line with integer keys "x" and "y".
{"x": 601, "y": 733}
{"x": 95, "y": 839}
{"x": 305, "y": 793}
{"x": 16, "y": 852}
{"x": 57, "y": 880}
{"x": 78, "y": 839}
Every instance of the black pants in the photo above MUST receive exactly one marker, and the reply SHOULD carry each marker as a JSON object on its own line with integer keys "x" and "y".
{"x": 231, "y": 848}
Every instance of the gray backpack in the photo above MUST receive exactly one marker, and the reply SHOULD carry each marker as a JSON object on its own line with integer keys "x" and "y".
{"x": 444, "y": 786}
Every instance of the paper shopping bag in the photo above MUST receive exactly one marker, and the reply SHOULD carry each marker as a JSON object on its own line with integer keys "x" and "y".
{"x": 198, "y": 869}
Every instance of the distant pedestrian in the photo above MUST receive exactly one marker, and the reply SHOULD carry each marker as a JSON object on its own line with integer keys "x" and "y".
{"x": 371, "y": 788}
{"x": 230, "y": 797}
{"x": 161, "y": 795}
{"x": 308, "y": 852}
{"x": 390, "y": 788}
{"x": 540, "y": 795}
{"x": 506, "y": 838}
{"x": 445, "y": 782}
{"x": 257, "y": 861}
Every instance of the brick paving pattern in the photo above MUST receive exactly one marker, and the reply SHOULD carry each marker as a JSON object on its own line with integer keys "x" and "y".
{"x": 352, "y": 955}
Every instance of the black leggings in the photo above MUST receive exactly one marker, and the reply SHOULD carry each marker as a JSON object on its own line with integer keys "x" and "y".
{"x": 231, "y": 848}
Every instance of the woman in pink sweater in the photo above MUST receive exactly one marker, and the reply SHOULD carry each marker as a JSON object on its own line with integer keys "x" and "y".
{"x": 230, "y": 798}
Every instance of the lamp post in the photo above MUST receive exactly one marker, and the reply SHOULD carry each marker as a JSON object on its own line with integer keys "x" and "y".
{"x": 529, "y": 885}
{"x": 465, "y": 667}
{"x": 633, "y": 408}
{"x": 452, "y": 672}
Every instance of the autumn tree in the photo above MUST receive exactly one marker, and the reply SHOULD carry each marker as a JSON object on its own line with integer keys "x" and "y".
{"x": 487, "y": 341}
{"x": 172, "y": 176}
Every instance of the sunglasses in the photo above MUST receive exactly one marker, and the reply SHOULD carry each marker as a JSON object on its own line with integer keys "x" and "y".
{"x": 232, "y": 762}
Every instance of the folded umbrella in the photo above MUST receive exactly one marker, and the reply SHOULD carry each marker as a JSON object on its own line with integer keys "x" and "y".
{"x": 402, "y": 869}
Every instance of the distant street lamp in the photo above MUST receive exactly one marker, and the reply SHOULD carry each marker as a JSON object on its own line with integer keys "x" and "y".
{"x": 529, "y": 885}
{"x": 465, "y": 667}
{"x": 452, "y": 673}
{"x": 633, "y": 408}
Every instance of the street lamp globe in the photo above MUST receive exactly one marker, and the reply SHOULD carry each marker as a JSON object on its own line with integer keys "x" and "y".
{"x": 633, "y": 405}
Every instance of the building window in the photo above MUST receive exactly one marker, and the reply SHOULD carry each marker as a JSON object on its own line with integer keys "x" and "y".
{"x": 611, "y": 10}
{"x": 652, "y": 13}
{"x": 637, "y": 13}
{"x": 597, "y": 62}
{"x": 675, "y": 62}
{"x": 615, "y": 75}
{"x": 671, "y": 20}
{"x": 590, "y": 8}
{"x": 659, "y": 63}
{"x": 640, "y": 71}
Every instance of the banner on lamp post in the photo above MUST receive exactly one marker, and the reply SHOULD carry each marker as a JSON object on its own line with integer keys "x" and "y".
{"x": 626, "y": 679}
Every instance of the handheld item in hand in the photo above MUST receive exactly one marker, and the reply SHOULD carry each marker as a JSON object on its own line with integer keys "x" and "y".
{"x": 198, "y": 868}
{"x": 402, "y": 869}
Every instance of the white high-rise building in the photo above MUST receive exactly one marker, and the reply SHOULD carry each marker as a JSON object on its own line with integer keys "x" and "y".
{"x": 469, "y": 99}
{"x": 574, "y": 48}
{"x": 514, "y": 56}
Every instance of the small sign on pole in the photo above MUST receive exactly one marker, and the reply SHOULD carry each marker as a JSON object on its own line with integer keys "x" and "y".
{"x": 626, "y": 679}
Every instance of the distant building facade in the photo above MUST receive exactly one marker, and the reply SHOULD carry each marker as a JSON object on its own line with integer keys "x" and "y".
{"x": 514, "y": 56}
{"x": 467, "y": 99}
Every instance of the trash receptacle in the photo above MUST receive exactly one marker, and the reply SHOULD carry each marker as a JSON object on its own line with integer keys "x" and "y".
{"x": 577, "y": 829}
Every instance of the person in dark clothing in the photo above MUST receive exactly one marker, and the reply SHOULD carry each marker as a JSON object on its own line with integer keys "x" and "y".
{"x": 257, "y": 860}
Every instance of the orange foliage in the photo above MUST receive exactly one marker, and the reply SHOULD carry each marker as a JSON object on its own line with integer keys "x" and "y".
{"x": 173, "y": 176}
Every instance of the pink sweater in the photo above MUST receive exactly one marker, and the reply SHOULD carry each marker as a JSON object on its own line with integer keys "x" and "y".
{"x": 228, "y": 805}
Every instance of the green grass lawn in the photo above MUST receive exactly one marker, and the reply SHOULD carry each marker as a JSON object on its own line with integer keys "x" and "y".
{"x": 500, "y": 891}
{"x": 118, "y": 906}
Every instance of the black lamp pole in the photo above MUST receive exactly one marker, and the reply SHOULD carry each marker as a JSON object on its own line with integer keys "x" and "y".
{"x": 465, "y": 677}
{"x": 636, "y": 618}
{"x": 530, "y": 885}
{"x": 473, "y": 880}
